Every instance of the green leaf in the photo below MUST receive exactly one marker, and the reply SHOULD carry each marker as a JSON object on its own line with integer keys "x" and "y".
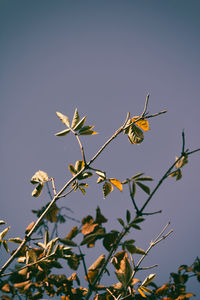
{"x": 68, "y": 242}
{"x": 138, "y": 220}
{"x": 16, "y": 240}
{"x": 75, "y": 119}
{"x": 107, "y": 189}
{"x": 87, "y": 132}
{"x": 128, "y": 216}
{"x": 80, "y": 124}
{"x": 72, "y": 170}
{"x": 135, "y": 226}
{"x": 121, "y": 222}
{"x": 133, "y": 192}
{"x": 64, "y": 119}
{"x": 79, "y": 165}
{"x": 63, "y": 132}
{"x": 4, "y": 232}
{"x": 85, "y": 128}
{"x": 137, "y": 175}
{"x": 144, "y": 187}
{"x": 133, "y": 249}
{"x": 5, "y": 244}
{"x": 146, "y": 178}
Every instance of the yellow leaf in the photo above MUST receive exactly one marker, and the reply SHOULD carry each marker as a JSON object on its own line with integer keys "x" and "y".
{"x": 143, "y": 124}
{"x": 141, "y": 293}
{"x": 116, "y": 183}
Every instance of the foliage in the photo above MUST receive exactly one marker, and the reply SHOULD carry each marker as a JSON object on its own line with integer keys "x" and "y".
{"x": 36, "y": 258}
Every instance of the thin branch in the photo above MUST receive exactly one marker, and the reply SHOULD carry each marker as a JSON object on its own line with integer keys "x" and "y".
{"x": 152, "y": 213}
{"x": 145, "y": 106}
{"x": 84, "y": 265}
{"x": 183, "y": 143}
{"x": 131, "y": 195}
{"x": 81, "y": 146}
{"x": 53, "y": 185}
{"x": 66, "y": 194}
{"x": 147, "y": 268}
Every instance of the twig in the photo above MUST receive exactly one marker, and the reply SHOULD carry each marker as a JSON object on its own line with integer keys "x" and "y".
{"x": 183, "y": 143}
{"x": 53, "y": 185}
{"x": 145, "y": 106}
{"x": 131, "y": 195}
{"x": 152, "y": 244}
{"x": 147, "y": 268}
{"x": 81, "y": 146}
{"x": 152, "y": 213}
{"x": 84, "y": 265}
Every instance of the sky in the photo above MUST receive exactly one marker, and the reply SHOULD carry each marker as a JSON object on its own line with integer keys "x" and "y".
{"x": 102, "y": 57}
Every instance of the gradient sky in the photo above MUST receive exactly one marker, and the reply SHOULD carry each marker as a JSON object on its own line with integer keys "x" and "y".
{"x": 102, "y": 57}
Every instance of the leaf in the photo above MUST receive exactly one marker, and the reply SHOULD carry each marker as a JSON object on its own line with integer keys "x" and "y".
{"x": 68, "y": 242}
{"x": 72, "y": 170}
{"x": 124, "y": 272}
{"x": 80, "y": 124}
{"x": 145, "y": 289}
{"x": 38, "y": 190}
{"x": 2, "y": 222}
{"x": 146, "y": 178}
{"x": 100, "y": 179}
{"x": 16, "y": 240}
{"x": 121, "y": 222}
{"x": 5, "y": 244}
{"x": 144, "y": 187}
{"x": 141, "y": 293}
{"x": 75, "y": 119}
{"x": 88, "y": 132}
{"x": 51, "y": 215}
{"x": 148, "y": 279}
{"x": 88, "y": 225}
{"x": 135, "y": 135}
{"x": 99, "y": 217}
{"x": 73, "y": 232}
{"x": 101, "y": 174}
{"x": 79, "y": 165}
{"x": 63, "y": 132}
{"x": 98, "y": 263}
{"x": 116, "y": 183}
{"x": 133, "y": 192}
{"x": 128, "y": 216}
{"x": 138, "y": 220}
{"x": 137, "y": 175}
{"x": 110, "y": 239}
{"x": 183, "y": 161}
{"x": 85, "y": 128}
{"x": 177, "y": 174}
{"x": 64, "y": 119}
{"x": 4, "y": 232}
{"x": 29, "y": 227}
{"x": 107, "y": 189}
{"x": 39, "y": 176}
{"x": 133, "y": 249}
{"x": 143, "y": 124}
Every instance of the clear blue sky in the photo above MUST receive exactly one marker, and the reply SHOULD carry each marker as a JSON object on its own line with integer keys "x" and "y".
{"x": 102, "y": 57}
